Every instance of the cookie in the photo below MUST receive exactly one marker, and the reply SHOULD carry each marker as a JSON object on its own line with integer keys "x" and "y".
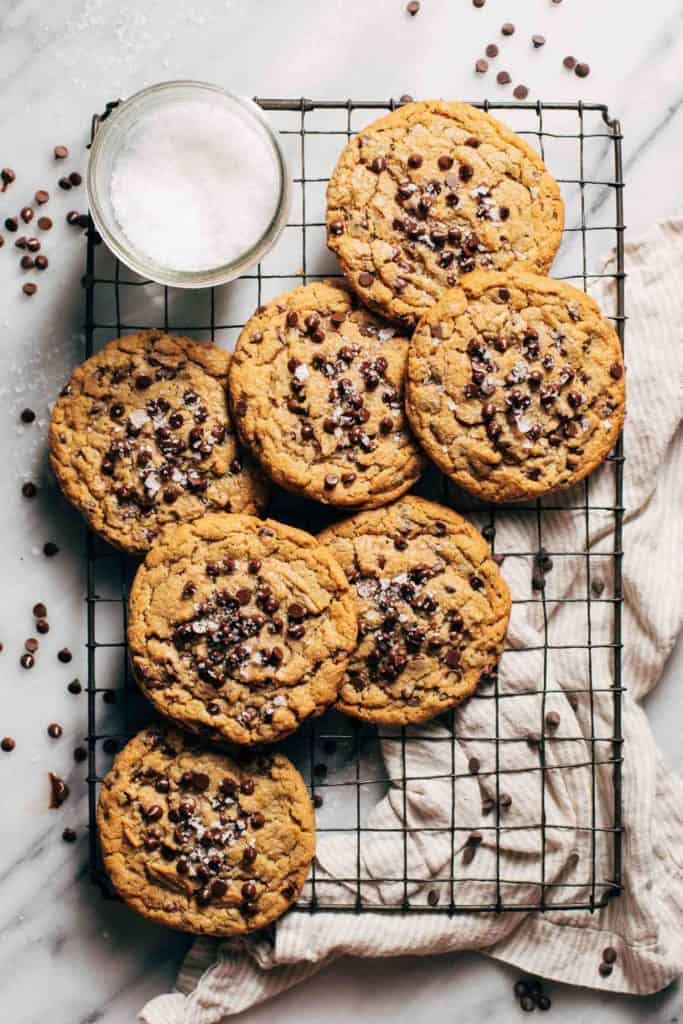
{"x": 240, "y": 628}
{"x": 141, "y": 436}
{"x": 316, "y": 387}
{"x": 202, "y": 843}
{"x": 515, "y": 385}
{"x": 432, "y": 191}
{"x": 432, "y": 610}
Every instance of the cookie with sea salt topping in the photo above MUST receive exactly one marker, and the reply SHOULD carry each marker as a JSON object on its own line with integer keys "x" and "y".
{"x": 515, "y": 385}
{"x": 141, "y": 436}
{"x": 432, "y": 191}
{"x": 316, "y": 387}
{"x": 202, "y": 843}
{"x": 432, "y": 610}
{"x": 240, "y": 628}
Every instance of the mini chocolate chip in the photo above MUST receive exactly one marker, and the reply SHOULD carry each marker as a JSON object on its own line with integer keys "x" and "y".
{"x": 415, "y": 161}
{"x": 520, "y": 92}
{"x": 26, "y": 214}
{"x": 543, "y": 1002}
{"x": 505, "y": 800}
{"x": 153, "y": 813}
{"x": 29, "y": 489}
{"x": 569, "y": 63}
{"x": 365, "y": 279}
{"x": 257, "y": 820}
{"x": 65, "y": 655}
{"x": 59, "y": 791}
{"x": 616, "y": 371}
{"x": 41, "y": 262}
{"x": 474, "y": 765}
{"x": 378, "y": 164}
{"x": 492, "y": 50}
{"x": 609, "y": 955}
{"x": 69, "y": 835}
{"x": 331, "y": 481}
{"x": 481, "y": 66}
{"x": 65, "y": 184}
{"x": 75, "y": 686}
{"x": 254, "y": 565}
{"x": 31, "y": 645}
{"x": 11, "y": 223}
{"x": 552, "y": 719}
{"x": 75, "y": 179}
{"x": 39, "y": 610}
{"x": 508, "y": 28}
{"x": 445, "y": 162}
{"x": 413, "y": 7}
{"x": 8, "y": 176}
{"x": 527, "y": 1004}
{"x": 54, "y": 730}
{"x": 503, "y": 78}
{"x": 453, "y": 658}
{"x": 336, "y": 227}
{"x": 29, "y": 288}
{"x": 582, "y": 70}
{"x": 605, "y": 969}
{"x": 61, "y": 152}
{"x": 27, "y": 661}
{"x": 32, "y": 244}
{"x": 8, "y": 744}
{"x": 27, "y": 262}
{"x": 538, "y": 41}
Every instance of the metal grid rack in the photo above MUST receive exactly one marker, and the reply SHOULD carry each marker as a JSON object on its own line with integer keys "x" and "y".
{"x": 581, "y": 142}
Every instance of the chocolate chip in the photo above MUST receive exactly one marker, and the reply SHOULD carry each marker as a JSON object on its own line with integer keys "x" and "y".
{"x": 413, "y": 7}
{"x": 65, "y": 655}
{"x": 582, "y": 70}
{"x": 41, "y": 262}
{"x": 503, "y": 78}
{"x": 569, "y": 63}
{"x": 609, "y": 955}
{"x": 521, "y": 989}
{"x": 257, "y": 820}
{"x": 508, "y": 29}
{"x": 520, "y": 92}
{"x": 492, "y": 50}
{"x": 365, "y": 279}
{"x": 414, "y": 161}
{"x": 27, "y": 661}
{"x": 538, "y": 41}
{"x": 11, "y": 223}
{"x": 378, "y": 164}
{"x": 27, "y": 262}
{"x": 543, "y": 1002}
{"x": 75, "y": 179}
{"x": 59, "y": 791}
{"x": 44, "y": 223}
{"x": 26, "y": 214}
{"x": 80, "y": 755}
{"x": 29, "y": 288}
{"x": 8, "y": 744}
{"x": 8, "y": 176}
{"x": 476, "y": 582}
{"x": 616, "y": 371}
{"x": 481, "y": 66}
{"x": 69, "y": 835}
{"x": 253, "y": 566}
{"x": 61, "y": 152}
{"x": 72, "y": 217}
{"x": 445, "y": 162}
{"x": 505, "y": 800}
{"x": 453, "y": 658}
{"x": 31, "y": 645}
{"x": 75, "y": 686}
{"x": 478, "y": 3}
{"x": 527, "y": 1004}
{"x": 474, "y": 765}
{"x": 552, "y": 719}
{"x": 247, "y": 787}
{"x": 336, "y": 227}
{"x": 32, "y": 244}
{"x": 605, "y": 969}
{"x": 64, "y": 184}
{"x": 54, "y": 730}
{"x": 331, "y": 481}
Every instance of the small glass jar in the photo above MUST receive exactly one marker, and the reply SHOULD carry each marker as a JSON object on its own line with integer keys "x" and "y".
{"x": 107, "y": 145}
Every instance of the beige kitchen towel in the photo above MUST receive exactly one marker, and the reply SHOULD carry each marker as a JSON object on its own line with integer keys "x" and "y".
{"x": 645, "y": 924}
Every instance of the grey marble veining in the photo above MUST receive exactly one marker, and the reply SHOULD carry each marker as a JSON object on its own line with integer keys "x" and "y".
{"x": 66, "y": 955}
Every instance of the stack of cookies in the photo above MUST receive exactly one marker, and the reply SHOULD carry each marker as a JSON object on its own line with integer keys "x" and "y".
{"x": 446, "y": 344}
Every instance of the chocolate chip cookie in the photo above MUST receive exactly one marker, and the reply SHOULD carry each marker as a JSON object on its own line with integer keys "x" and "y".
{"x": 432, "y": 610}
{"x": 240, "y": 628}
{"x": 141, "y": 436}
{"x": 515, "y": 385}
{"x": 202, "y": 843}
{"x": 432, "y": 191}
{"x": 316, "y": 386}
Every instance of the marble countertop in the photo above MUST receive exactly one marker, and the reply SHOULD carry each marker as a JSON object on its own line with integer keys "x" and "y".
{"x": 67, "y": 955}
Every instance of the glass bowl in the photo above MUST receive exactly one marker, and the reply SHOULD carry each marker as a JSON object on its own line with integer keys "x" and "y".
{"x": 107, "y": 145}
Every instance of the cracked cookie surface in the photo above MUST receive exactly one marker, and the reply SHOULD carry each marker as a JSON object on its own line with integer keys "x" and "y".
{"x": 240, "y": 628}
{"x": 515, "y": 385}
{"x": 432, "y": 191}
{"x": 199, "y": 842}
{"x": 141, "y": 436}
{"x": 432, "y": 610}
{"x": 316, "y": 388}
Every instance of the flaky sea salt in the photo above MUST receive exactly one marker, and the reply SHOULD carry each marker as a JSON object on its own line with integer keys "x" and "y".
{"x": 194, "y": 185}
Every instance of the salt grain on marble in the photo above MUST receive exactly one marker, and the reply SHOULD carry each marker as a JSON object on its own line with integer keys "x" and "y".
{"x": 194, "y": 187}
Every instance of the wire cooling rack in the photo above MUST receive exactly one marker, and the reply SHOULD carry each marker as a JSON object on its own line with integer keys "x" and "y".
{"x": 339, "y": 757}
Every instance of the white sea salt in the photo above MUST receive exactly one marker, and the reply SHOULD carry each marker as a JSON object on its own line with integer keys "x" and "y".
{"x": 194, "y": 186}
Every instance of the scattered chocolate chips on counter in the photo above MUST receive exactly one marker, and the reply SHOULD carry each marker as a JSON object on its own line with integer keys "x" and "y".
{"x": 597, "y": 587}
{"x": 478, "y": 3}
{"x": 42, "y": 196}
{"x": 317, "y": 800}
{"x": 492, "y": 50}
{"x": 520, "y": 92}
{"x": 61, "y": 152}
{"x": 42, "y": 262}
{"x": 538, "y": 41}
{"x": 80, "y": 755}
{"x": 75, "y": 179}
{"x": 29, "y": 288}
{"x": 11, "y": 223}
{"x": 481, "y": 66}
{"x": 59, "y": 791}
{"x": 503, "y": 78}
{"x": 45, "y": 223}
{"x": 413, "y": 8}
{"x": 7, "y": 744}
{"x": 54, "y": 730}
{"x": 508, "y": 29}
{"x": 474, "y": 765}
{"x": 43, "y": 626}
{"x": 110, "y": 746}
{"x": 552, "y": 719}
{"x": 31, "y": 645}
{"x": 69, "y": 835}
{"x": 27, "y": 661}
{"x": 531, "y": 995}
{"x": 432, "y": 897}
{"x": 65, "y": 655}
{"x": 65, "y": 184}
{"x": 582, "y": 70}
{"x": 569, "y": 63}
{"x": 75, "y": 686}
{"x": 29, "y": 489}
{"x": 542, "y": 565}
{"x": 50, "y": 549}
{"x": 27, "y": 416}
{"x": 26, "y": 214}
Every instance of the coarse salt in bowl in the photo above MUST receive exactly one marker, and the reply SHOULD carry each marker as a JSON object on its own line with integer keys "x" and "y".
{"x": 188, "y": 184}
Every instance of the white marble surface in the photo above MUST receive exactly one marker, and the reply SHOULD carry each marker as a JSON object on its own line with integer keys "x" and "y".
{"x": 66, "y": 955}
